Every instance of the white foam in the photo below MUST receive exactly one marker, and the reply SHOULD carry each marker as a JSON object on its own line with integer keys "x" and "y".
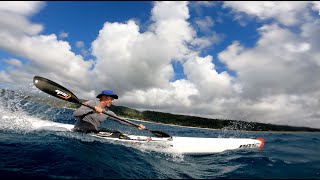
{"x": 39, "y": 124}
{"x": 19, "y": 120}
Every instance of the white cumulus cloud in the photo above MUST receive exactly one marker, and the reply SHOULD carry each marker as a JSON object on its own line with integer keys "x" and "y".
{"x": 285, "y": 12}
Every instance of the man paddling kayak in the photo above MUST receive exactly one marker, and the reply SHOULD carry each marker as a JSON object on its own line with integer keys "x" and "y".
{"x": 89, "y": 120}
{"x": 93, "y": 120}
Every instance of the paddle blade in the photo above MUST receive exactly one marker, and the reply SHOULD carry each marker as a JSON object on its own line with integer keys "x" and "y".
{"x": 54, "y": 89}
{"x": 159, "y": 133}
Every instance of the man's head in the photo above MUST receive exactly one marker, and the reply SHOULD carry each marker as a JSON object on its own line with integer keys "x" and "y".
{"x": 106, "y": 97}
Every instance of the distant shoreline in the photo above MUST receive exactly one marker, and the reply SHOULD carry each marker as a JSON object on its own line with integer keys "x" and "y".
{"x": 170, "y": 124}
{"x": 216, "y": 129}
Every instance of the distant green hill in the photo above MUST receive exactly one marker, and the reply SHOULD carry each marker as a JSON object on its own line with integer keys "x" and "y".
{"x": 194, "y": 121}
{"x": 166, "y": 118}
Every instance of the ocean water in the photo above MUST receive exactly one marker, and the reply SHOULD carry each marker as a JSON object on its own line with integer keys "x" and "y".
{"x": 27, "y": 152}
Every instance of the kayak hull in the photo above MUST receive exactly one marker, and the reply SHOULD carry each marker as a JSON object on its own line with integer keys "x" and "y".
{"x": 189, "y": 145}
{"x": 175, "y": 144}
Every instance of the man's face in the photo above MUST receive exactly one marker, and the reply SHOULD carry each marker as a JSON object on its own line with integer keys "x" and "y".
{"x": 106, "y": 101}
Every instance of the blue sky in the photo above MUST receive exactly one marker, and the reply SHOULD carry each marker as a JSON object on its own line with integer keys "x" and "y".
{"x": 254, "y": 61}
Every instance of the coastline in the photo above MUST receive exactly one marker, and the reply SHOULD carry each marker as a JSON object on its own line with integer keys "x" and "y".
{"x": 217, "y": 129}
{"x": 169, "y": 124}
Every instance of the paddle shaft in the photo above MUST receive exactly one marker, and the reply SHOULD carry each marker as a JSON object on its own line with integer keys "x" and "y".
{"x": 157, "y": 133}
{"x": 104, "y": 112}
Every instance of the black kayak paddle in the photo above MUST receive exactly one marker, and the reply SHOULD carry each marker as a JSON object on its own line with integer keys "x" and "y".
{"x": 61, "y": 92}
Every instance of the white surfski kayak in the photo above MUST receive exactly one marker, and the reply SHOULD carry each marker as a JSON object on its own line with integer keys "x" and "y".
{"x": 187, "y": 145}
{"x": 176, "y": 144}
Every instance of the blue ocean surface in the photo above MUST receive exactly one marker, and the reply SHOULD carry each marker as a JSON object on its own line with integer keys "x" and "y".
{"x": 27, "y": 152}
